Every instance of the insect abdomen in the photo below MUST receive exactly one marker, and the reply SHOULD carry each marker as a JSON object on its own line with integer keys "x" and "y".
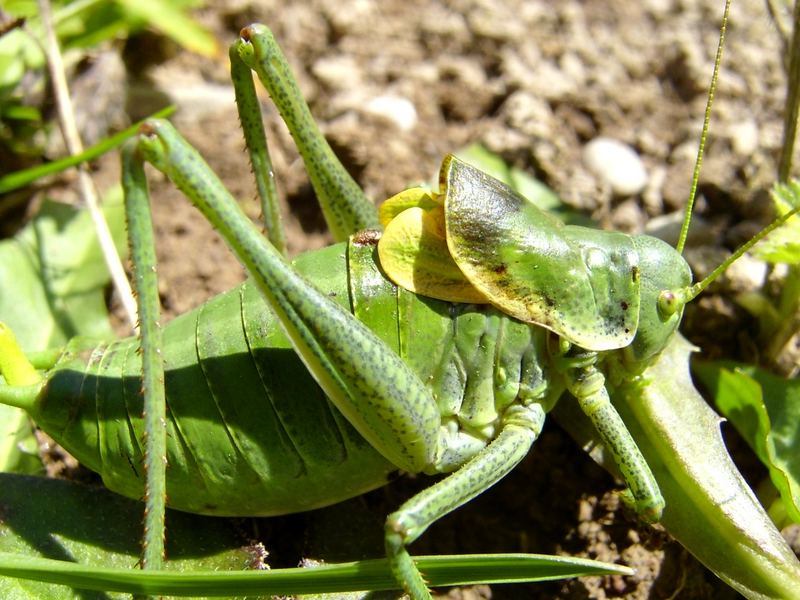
{"x": 249, "y": 431}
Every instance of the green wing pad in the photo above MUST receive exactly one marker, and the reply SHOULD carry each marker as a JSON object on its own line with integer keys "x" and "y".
{"x": 578, "y": 282}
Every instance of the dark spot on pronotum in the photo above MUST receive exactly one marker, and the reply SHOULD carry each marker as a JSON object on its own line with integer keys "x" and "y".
{"x": 500, "y": 269}
{"x": 623, "y": 305}
{"x": 367, "y": 237}
{"x": 549, "y": 301}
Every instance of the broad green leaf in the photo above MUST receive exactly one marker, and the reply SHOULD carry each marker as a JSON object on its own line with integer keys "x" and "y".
{"x": 67, "y": 521}
{"x": 52, "y": 281}
{"x": 93, "y": 537}
{"x": 765, "y": 409}
{"x": 52, "y": 276}
{"x": 709, "y": 507}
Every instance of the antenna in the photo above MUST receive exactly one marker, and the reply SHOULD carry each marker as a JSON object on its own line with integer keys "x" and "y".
{"x": 706, "y": 119}
{"x": 669, "y": 300}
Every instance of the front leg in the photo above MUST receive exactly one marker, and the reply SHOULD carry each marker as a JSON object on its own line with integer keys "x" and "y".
{"x": 588, "y": 385}
{"x": 520, "y": 428}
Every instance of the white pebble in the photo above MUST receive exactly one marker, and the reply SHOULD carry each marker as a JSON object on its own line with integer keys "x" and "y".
{"x": 744, "y": 137}
{"x": 338, "y": 72}
{"x": 617, "y": 164}
{"x": 748, "y": 274}
{"x": 396, "y": 109}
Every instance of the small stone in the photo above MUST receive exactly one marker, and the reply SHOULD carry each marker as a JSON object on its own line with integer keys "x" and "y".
{"x": 744, "y": 137}
{"x": 616, "y": 164}
{"x": 668, "y": 228}
{"x": 748, "y": 274}
{"x": 585, "y": 510}
{"x": 395, "y": 109}
{"x": 338, "y": 72}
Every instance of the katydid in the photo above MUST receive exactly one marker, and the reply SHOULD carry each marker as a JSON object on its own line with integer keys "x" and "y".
{"x": 460, "y": 383}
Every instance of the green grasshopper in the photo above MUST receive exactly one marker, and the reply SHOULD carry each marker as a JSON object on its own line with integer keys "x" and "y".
{"x": 437, "y": 346}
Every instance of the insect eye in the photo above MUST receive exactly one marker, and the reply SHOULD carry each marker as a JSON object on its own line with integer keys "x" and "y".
{"x": 667, "y": 303}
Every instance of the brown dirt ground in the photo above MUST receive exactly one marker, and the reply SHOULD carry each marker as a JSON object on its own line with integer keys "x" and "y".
{"x": 533, "y": 81}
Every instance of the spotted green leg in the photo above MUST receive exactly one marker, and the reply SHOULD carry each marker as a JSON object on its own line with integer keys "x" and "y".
{"x": 343, "y": 203}
{"x": 588, "y": 385}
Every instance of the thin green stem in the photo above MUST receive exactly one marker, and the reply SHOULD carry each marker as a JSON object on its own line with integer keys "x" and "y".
{"x": 372, "y": 575}
{"x": 19, "y": 179}
{"x": 792, "y": 101}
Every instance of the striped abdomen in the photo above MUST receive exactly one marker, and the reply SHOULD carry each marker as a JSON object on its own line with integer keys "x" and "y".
{"x": 249, "y": 431}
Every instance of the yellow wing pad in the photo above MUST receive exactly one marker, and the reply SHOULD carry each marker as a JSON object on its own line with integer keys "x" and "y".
{"x": 413, "y": 251}
{"x": 406, "y": 199}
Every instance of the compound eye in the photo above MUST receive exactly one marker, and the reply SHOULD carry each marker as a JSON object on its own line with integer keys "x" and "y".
{"x": 668, "y": 303}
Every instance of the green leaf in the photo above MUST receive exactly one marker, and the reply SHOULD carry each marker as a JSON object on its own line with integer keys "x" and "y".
{"x": 783, "y": 244}
{"x": 20, "y": 112}
{"x": 88, "y": 525}
{"x": 373, "y": 575}
{"x": 52, "y": 282}
{"x": 93, "y": 535}
{"x": 53, "y": 275}
{"x": 710, "y": 509}
{"x": 765, "y": 409}
{"x": 172, "y": 21}
{"x": 92, "y": 542}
